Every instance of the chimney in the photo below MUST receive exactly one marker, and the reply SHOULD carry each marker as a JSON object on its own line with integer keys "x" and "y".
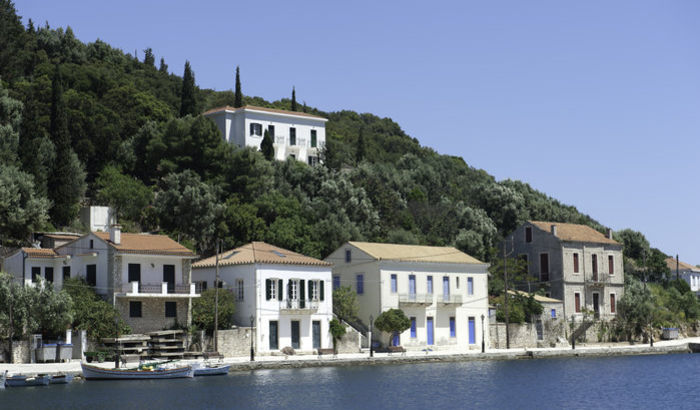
{"x": 115, "y": 234}
{"x": 554, "y": 230}
{"x": 609, "y": 235}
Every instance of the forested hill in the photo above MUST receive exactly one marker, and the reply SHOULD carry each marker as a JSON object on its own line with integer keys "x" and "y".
{"x": 87, "y": 123}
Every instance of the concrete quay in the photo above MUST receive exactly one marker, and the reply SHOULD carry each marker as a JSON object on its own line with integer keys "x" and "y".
{"x": 363, "y": 359}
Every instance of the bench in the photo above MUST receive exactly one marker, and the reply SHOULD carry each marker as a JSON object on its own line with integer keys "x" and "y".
{"x": 321, "y": 352}
{"x": 396, "y": 349}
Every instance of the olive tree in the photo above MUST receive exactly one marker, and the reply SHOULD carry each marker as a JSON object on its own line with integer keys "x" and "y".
{"x": 392, "y": 321}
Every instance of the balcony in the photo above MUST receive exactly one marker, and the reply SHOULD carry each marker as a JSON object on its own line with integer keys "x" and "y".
{"x": 597, "y": 279}
{"x": 162, "y": 289}
{"x": 416, "y": 299}
{"x": 450, "y": 300}
{"x": 298, "y": 306}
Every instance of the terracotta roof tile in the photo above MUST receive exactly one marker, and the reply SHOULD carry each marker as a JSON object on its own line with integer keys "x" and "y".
{"x": 271, "y": 110}
{"x": 414, "y": 253}
{"x": 259, "y": 252}
{"x": 539, "y": 298}
{"x": 574, "y": 232}
{"x": 146, "y": 244}
{"x": 671, "y": 263}
{"x": 42, "y": 253}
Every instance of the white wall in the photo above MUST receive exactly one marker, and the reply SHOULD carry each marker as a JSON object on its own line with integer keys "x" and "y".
{"x": 151, "y": 268}
{"x": 82, "y": 255}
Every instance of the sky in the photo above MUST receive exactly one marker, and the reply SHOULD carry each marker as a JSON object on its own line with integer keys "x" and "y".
{"x": 595, "y": 103}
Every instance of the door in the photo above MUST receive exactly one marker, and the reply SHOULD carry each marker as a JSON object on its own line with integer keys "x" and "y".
{"x": 134, "y": 272}
{"x": 596, "y": 304}
{"x": 472, "y": 330}
{"x": 295, "y": 334}
{"x": 412, "y": 286}
{"x": 429, "y": 327}
{"x": 274, "y": 339}
{"x": 316, "y": 333}
{"x": 91, "y": 275}
{"x": 395, "y": 339}
{"x": 169, "y": 276}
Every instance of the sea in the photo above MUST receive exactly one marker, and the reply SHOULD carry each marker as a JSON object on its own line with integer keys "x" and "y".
{"x": 630, "y": 382}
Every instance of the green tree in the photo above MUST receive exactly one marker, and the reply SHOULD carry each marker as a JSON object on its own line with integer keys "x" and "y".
{"x": 188, "y": 103}
{"x": 163, "y": 69}
{"x": 54, "y": 310}
{"x": 392, "y": 321}
{"x": 360, "y": 149}
{"x": 89, "y": 312}
{"x": 337, "y": 331}
{"x": 267, "y": 148}
{"x": 127, "y": 195}
{"x": 238, "y": 102}
{"x": 635, "y": 308}
{"x": 21, "y": 210}
{"x": 294, "y": 99}
{"x": 148, "y": 58}
{"x": 10, "y": 121}
{"x": 203, "y": 310}
{"x": 345, "y": 303}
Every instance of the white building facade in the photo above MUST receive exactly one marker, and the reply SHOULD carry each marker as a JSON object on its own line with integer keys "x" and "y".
{"x": 287, "y": 295}
{"x": 685, "y": 271}
{"x": 443, "y": 291}
{"x": 294, "y": 134}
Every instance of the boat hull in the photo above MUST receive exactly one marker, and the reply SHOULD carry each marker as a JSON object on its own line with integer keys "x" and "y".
{"x": 100, "y": 373}
{"x": 24, "y": 381}
{"x": 61, "y": 379}
{"x": 212, "y": 371}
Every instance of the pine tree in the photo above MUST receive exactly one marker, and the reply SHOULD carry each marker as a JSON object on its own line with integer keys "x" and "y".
{"x": 266, "y": 146}
{"x": 163, "y": 67}
{"x": 188, "y": 104}
{"x": 148, "y": 58}
{"x": 67, "y": 179}
{"x": 360, "y": 149}
{"x": 294, "y": 99}
{"x": 239, "y": 95}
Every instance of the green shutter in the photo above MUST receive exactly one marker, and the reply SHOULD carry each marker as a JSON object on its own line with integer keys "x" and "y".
{"x": 280, "y": 287}
{"x": 289, "y": 290}
{"x": 311, "y": 293}
{"x": 302, "y": 296}
{"x": 267, "y": 289}
{"x": 321, "y": 290}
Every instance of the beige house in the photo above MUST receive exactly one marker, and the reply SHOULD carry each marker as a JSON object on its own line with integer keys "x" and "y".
{"x": 685, "y": 271}
{"x": 578, "y": 264}
{"x": 442, "y": 290}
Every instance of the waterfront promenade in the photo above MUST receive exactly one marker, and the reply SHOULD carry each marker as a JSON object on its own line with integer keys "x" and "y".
{"x": 355, "y": 359}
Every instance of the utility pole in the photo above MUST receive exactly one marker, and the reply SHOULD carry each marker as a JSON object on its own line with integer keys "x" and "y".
{"x": 677, "y": 267}
{"x": 12, "y": 327}
{"x": 216, "y": 299}
{"x": 505, "y": 285}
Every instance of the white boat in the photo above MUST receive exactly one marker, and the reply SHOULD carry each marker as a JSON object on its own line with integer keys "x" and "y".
{"x": 61, "y": 379}
{"x": 21, "y": 380}
{"x": 94, "y": 372}
{"x": 209, "y": 369}
{"x": 2, "y": 380}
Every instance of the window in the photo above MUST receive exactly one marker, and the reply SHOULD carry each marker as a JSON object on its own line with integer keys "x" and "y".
{"x": 170, "y": 309}
{"x": 430, "y": 285}
{"x": 66, "y": 272}
{"x": 528, "y": 234}
{"x": 48, "y": 274}
{"x": 314, "y": 290}
{"x": 412, "y": 286}
{"x": 271, "y": 131}
{"x": 91, "y": 275}
{"x": 293, "y": 289}
{"x": 544, "y": 267}
{"x": 453, "y": 329}
{"x": 255, "y": 129}
{"x": 292, "y": 136}
{"x": 611, "y": 265}
{"x": 313, "y": 139}
{"x": 457, "y": 282}
{"x": 313, "y": 161}
{"x": 239, "y": 289}
{"x": 336, "y": 282}
{"x": 348, "y": 256}
{"x": 134, "y": 272}
{"x": 577, "y": 302}
{"x": 446, "y": 288}
{"x": 470, "y": 286}
{"x": 554, "y": 313}
{"x": 594, "y": 261}
{"x": 393, "y": 283}
{"x": 36, "y": 272}
{"x": 413, "y": 327}
{"x": 575, "y": 262}
{"x": 92, "y": 244}
{"x": 360, "y": 284}
{"x": 612, "y": 303}
{"x": 270, "y": 289}
{"x": 134, "y": 309}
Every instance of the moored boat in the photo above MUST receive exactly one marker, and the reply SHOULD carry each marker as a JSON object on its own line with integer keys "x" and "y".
{"x": 21, "y": 380}
{"x": 207, "y": 369}
{"x": 94, "y": 372}
{"x": 61, "y": 379}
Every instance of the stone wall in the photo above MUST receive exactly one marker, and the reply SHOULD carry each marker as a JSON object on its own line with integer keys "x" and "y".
{"x": 232, "y": 342}
{"x": 20, "y": 353}
{"x": 554, "y": 334}
{"x": 153, "y": 314}
{"x": 351, "y": 341}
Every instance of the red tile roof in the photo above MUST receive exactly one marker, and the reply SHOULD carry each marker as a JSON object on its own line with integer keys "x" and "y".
{"x": 259, "y": 252}
{"x": 254, "y": 108}
{"x": 671, "y": 263}
{"x": 41, "y": 253}
{"x": 146, "y": 244}
{"x": 574, "y": 232}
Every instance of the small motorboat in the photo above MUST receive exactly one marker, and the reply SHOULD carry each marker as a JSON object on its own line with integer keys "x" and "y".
{"x": 61, "y": 379}
{"x": 21, "y": 380}
{"x": 210, "y": 369}
{"x": 143, "y": 372}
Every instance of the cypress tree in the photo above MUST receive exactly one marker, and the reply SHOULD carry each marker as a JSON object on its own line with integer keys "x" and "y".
{"x": 188, "y": 104}
{"x": 163, "y": 67}
{"x": 238, "y": 102}
{"x": 360, "y": 149}
{"x": 266, "y": 146}
{"x": 148, "y": 58}
{"x": 294, "y": 99}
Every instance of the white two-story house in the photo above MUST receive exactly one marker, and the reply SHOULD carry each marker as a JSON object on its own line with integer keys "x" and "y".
{"x": 294, "y": 134}
{"x": 443, "y": 291}
{"x": 146, "y": 277}
{"x": 287, "y": 295}
{"x": 577, "y": 264}
{"x": 685, "y": 271}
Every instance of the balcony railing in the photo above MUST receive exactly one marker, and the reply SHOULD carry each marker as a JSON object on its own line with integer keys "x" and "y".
{"x": 450, "y": 299}
{"x": 416, "y": 298}
{"x": 299, "y": 304}
{"x": 597, "y": 279}
{"x": 162, "y": 288}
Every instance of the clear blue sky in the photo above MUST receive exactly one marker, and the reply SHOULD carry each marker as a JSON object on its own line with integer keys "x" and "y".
{"x": 596, "y": 103}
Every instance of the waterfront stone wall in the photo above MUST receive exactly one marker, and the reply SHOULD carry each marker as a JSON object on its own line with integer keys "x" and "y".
{"x": 153, "y": 314}
{"x": 20, "y": 351}
{"x": 351, "y": 341}
{"x": 234, "y": 342}
{"x": 554, "y": 334}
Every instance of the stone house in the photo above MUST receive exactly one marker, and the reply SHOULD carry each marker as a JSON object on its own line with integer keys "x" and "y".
{"x": 146, "y": 277}
{"x": 294, "y": 134}
{"x": 579, "y": 265}
{"x": 442, "y": 290}
{"x": 286, "y": 295}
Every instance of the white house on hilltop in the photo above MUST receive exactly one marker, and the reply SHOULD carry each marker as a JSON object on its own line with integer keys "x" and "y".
{"x": 287, "y": 294}
{"x": 294, "y": 134}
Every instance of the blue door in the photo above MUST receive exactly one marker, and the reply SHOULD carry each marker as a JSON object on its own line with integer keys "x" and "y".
{"x": 395, "y": 339}
{"x": 429, "y": 326}
{"x": 472, "y": 330}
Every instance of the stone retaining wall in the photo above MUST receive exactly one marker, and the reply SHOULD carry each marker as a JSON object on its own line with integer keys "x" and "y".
{"x": 20, "y": 351}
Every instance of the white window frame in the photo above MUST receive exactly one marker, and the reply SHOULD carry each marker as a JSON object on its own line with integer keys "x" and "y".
{"x": 294, "y": 285}
{"x": 315, "y": 290}
{"x": 273, "y": 289}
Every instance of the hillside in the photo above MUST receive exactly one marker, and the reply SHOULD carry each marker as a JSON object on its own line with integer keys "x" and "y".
{"x": 88, "y": 123}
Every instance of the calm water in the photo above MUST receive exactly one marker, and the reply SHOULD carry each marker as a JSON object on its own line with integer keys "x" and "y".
{"x": 669, "y": 381}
